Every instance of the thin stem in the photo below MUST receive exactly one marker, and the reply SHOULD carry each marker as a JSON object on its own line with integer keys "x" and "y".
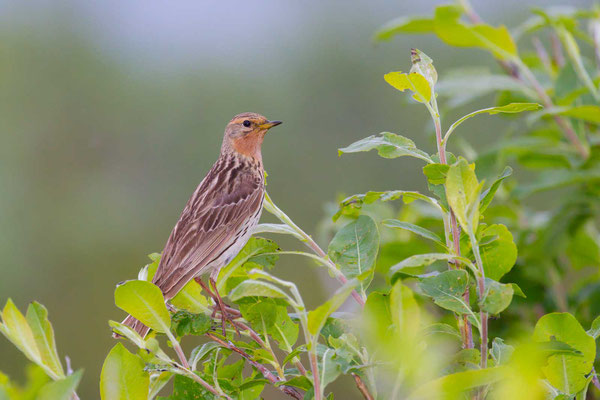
{"x": 290, "y": 391}
{"x": 362, "y": 388}
{"x": 315, "y": 372}
{"x": 308, "y": 240}
{"x": 466, "y": 330}
{"x": 481, "y": 286}
{"x": 178, "y": 350}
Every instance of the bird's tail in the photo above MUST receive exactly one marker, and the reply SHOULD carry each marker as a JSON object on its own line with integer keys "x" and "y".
{"x": 135, "y": 325}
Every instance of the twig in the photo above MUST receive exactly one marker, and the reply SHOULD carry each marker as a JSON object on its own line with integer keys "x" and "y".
{"x": 315, "y": 372}
{"x": 290, "y": 391}
{"x": 180, "y": 354}
{"x": 362, "y": 388}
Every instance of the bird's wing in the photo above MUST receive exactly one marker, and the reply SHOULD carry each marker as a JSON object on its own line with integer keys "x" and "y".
{"x": 211, "y": 223}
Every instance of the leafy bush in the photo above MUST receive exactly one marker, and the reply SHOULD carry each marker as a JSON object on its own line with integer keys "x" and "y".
{"x": 465, "y": 291}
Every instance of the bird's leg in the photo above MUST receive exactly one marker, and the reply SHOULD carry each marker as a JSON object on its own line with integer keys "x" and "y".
{"x": 210, "y": 293}
{"x": 229, "y": 310}
{"x": 219, "y": 300}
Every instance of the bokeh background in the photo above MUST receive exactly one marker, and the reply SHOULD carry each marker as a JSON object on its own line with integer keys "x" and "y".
{"x": 111, "y": 113}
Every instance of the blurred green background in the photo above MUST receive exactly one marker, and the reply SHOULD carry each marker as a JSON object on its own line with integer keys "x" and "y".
{"x": 112, "y": 112}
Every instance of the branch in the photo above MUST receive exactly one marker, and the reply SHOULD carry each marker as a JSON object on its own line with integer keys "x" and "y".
{"x": 362, "y": 388}
{"x": 290, "y": 391}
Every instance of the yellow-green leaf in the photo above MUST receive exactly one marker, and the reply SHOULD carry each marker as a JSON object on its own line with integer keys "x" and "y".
{"x": 462, "y": 192}
{"x": 144, "y": 301}
{"x": 414, "y": 82}
{"x": 123, "y": 376}
{"x": 566, "y": 372}
{"x": 37, "y": 318}
{"x": 17, "y": 330}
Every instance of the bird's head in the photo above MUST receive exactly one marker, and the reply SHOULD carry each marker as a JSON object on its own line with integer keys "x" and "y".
{"x": 245, "y": 133}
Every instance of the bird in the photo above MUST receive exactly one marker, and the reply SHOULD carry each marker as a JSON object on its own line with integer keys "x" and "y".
{"x": 219, "y": 217}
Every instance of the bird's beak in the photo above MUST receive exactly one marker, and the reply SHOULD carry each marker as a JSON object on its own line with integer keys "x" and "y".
{"x": 270, "y": 124}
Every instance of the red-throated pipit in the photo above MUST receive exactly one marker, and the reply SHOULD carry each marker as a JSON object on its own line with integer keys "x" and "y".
{"x": 220, "y": 216}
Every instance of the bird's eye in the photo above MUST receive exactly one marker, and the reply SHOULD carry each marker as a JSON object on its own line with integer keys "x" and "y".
{"x": 247, "y": 123}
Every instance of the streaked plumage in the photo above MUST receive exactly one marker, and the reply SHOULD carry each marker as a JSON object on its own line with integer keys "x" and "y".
{"x": 219, "y": 218}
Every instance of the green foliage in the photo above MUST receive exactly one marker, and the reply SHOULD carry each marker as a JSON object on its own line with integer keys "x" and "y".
{"x": 418, "y": 280}
{"x": 566, "y": 372}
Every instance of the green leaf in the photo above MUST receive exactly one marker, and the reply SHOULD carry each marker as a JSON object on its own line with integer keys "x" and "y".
{"x": 501, "y": 352}
{"x": 553, "y": 347}
{"x": 354, "y": 248}
{"x": 127, "y": 332}
{"x": 422, "y": 64}
{"x": 352, "y": 205}
{"x": 253, "y": 287}
{"x": 517, "y": 290}
{"x": 488, "y": 195}
{"x": 467, "y": 84}
{"x": 449, "y": 29}
{"x": 442, "y": 329}
{"x": 184, "y": 323}
{"x": 462, "y": 192}
{"x": 282, "y": 229}
{"x": 588, "y": 113}
{"x": 511, "y": 108}
{"x": 565, "y": 371}
{"x": 583, "y": 249}
{"x": 388, "y": 145}
{"x": 61, "y": 389}
{"x": 200, "y": 352}
{"x": 185, "y": 388}
{"x": 301, "y": 382}
{"x": 123, "y": 376}
{"x": 266, "y": 316}
{"x": 454, "y": 384}
{"x": 16, "y": 329}
{"x": 496, "y": 296}
{"x": 595, "y": 328}
{"x": 318, "y": 316}
{"x": 144, "y": 301}
{"x": 555, "y": 179}
{"x": 436, "y": 173}
{"x": 572, "y": 48}
{"x": 420, "y": 260}
{"x": 404, "y": 25}
{"x": 257, "y": 251}
{"x": 498, "y": 255}
{"x": 157, "y": 382}
{"x": 37, "y": 318}
{"x": 416, "y": 229}
{"x": 190, "y": 298}
{"x": 447, "y": 289}
{"x": 413, "y": 81}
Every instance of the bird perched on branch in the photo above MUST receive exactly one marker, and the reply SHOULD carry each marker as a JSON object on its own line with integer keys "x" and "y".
{"x": 219, "y": 218}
